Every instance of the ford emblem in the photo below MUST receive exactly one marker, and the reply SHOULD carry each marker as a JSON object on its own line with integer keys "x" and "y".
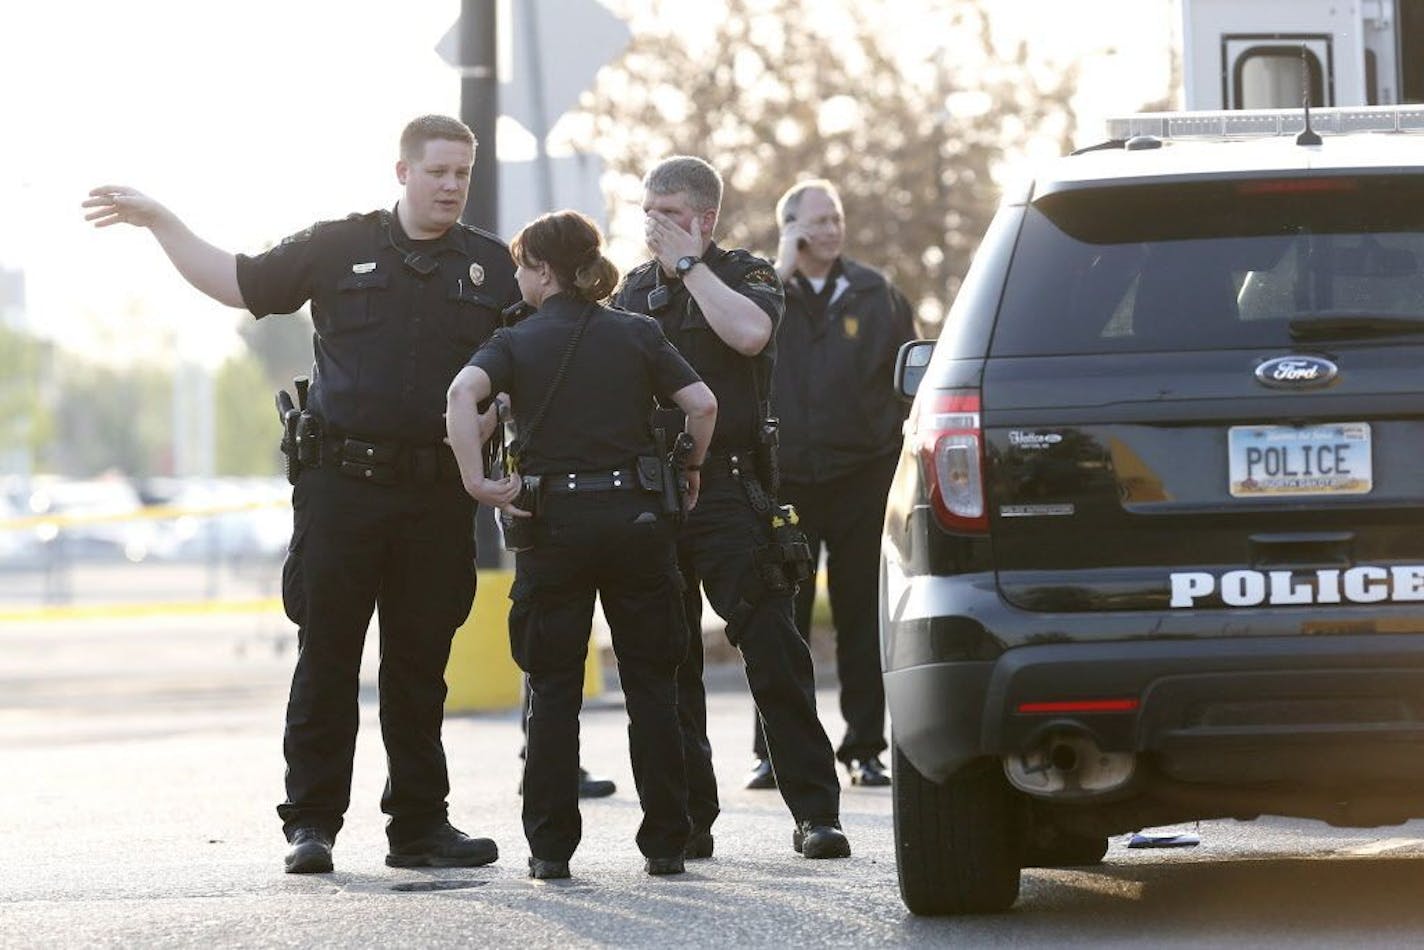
{"x": 1297, "y": 372}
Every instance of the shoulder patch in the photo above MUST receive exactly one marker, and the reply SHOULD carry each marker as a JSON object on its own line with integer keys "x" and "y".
{"x": 640, "y": 275}
{"x": 741, "y": 255}
{"x": 482, "y": 233}
{"x": 762, "y": 275}
{"x": 301, "y": 236}
{"x": 306, "y": 234}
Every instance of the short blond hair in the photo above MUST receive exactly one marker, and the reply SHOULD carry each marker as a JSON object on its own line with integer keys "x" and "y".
{"x": 431, "y": 128}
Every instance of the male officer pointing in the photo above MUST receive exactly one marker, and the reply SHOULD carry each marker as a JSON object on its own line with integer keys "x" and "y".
{"x": 399, "y": 300}
{"x": 719, "y": 308}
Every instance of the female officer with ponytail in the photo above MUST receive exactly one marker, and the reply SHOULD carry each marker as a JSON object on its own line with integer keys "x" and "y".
{"x": 581, "y": 378}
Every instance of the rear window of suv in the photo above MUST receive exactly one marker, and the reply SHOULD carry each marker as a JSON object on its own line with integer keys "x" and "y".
{"x": 1216, "y": 264}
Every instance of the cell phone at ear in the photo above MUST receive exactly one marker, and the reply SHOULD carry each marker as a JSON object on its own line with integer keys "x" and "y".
{"x": 801, "y": 242}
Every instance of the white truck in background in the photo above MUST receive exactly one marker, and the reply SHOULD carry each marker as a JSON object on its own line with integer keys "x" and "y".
{"x": 1263, "y": 54}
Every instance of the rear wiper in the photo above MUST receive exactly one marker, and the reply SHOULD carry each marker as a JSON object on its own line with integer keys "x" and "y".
{"x": 1323, "y": 326}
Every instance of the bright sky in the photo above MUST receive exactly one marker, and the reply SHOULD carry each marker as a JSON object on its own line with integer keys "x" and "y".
{"x": 252, "y": 119}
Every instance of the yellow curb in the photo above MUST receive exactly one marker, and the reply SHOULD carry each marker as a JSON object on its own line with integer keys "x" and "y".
{"x": 481, "y": 674}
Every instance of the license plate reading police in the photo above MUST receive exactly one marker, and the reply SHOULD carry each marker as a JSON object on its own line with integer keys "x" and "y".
{"x": 1275, "y": 461}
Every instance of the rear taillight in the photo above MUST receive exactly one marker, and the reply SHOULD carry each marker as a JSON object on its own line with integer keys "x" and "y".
{"x": 951, "y": 449}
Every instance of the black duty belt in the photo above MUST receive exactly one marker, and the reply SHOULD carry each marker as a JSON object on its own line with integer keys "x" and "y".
{"x": 387, "y": 462}
{"x": 739, "y": 462}
{"x": 574, "y": 483}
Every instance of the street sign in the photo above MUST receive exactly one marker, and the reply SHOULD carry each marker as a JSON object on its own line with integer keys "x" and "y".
{"x": 573, "y": 181}
{"x": 558, "y": 47}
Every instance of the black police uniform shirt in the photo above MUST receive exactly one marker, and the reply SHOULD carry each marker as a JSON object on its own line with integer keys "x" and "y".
{"x": 395, "y": 318}
{"x": 597, "y": 420}
{"x": 833, "y": 382}
{"x": 739, "y": 382}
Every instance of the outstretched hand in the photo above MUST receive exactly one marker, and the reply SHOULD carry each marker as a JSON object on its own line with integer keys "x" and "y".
{"x": 119, "y": 204}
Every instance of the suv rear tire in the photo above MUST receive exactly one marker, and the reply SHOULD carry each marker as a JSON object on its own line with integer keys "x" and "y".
{"x": 956, "y": 844}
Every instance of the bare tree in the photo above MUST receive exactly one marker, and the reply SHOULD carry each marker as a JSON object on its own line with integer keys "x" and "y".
{"x": 789, "y": 89}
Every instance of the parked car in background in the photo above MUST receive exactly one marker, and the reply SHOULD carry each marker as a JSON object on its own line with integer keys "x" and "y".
{"x": 222, "y": 518}
{"x": 92, "y": 519}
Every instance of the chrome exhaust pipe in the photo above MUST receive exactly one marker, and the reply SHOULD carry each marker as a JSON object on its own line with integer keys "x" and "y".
{"x": 1067, "y": 763}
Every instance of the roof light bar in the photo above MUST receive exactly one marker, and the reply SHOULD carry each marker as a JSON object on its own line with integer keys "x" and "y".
{"x": 1259, "y": 123}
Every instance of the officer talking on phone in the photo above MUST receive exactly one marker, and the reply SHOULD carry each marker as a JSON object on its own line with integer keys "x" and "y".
{"x": 840, "y": 440}
{"x": 842, "y": 331}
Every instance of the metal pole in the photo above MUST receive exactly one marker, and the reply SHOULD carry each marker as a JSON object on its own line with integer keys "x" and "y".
{"x": 534, "y": 57}
{"x": 479, "y": 107}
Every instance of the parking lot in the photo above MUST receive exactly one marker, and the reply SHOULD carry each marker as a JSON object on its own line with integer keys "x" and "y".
{"x": 144, "y": 762}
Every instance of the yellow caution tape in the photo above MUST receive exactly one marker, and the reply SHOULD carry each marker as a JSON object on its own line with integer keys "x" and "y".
{"x": 155, "y": 513}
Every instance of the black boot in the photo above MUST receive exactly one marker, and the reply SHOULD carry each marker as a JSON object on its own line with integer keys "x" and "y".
{"x": 310, "y": 853}
{"x": 661, "y": 866}
{"x": 542, "y": 870}
{"x": 590, "y": 787}
{"x": 699, "y": 845}
{"x": 444, "y": 847}
{"x": 761, "y": 775}
{"x": 868, "y": 772}
{"x": 814, "y": 838}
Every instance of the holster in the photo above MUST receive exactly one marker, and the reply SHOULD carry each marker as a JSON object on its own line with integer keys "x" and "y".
{"x": 665, "y": 473}
{"x": 519, "y": 532}
{"x": 767, "y": 462}
{"x": 778, "y": 567}
{"x": 655, "y": 475}
{"x": 794, "y": 551}
{"x": 289, "y": 445}
{"x": 308, "y": 439}
{"x": 785, "y": 561}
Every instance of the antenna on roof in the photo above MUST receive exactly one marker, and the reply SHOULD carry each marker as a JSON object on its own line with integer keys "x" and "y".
{"x": 1308, "y": 136}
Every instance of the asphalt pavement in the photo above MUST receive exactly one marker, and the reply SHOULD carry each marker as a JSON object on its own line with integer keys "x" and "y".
{"x": 142, "y": 764}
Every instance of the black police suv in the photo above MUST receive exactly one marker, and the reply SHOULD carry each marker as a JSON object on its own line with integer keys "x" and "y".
{"x": 1155, "y": 547}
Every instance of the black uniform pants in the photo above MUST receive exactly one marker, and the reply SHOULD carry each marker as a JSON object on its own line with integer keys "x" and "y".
{"x": 615, "y": 545}
{"x": 406, "y": 551}
{"x": 846, "y": 515}
{"x": 716, "y": 546}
